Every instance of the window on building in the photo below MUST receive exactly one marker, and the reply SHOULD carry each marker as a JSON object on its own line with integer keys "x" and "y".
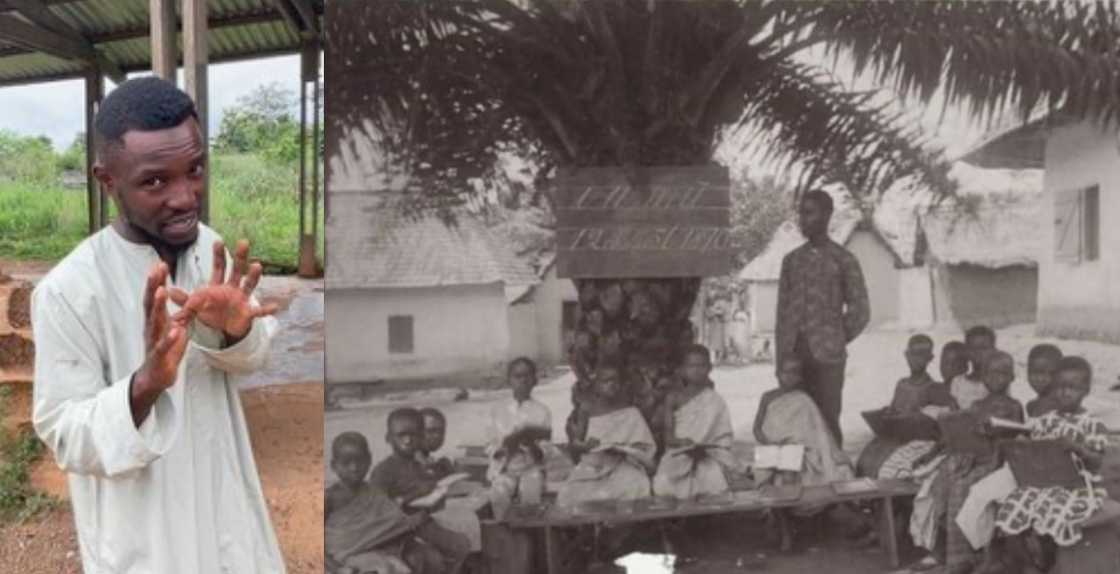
{"x": 1077, "y": 225}
{"x": 400, "y": 334}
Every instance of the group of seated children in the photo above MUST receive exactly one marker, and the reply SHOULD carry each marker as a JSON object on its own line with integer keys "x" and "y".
{"x": 970, "y": 514}
{"x": 371, "y": 525}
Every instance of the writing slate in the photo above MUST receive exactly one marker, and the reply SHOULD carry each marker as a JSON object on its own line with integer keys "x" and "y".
{"x": 1041, "y": 463}
{"x": 961, "y": 433}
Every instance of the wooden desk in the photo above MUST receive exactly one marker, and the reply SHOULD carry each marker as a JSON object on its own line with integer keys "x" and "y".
{"x": 551, "y": 518}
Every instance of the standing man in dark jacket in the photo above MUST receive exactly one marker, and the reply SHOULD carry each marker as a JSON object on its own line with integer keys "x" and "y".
{"x": 822, "y": 306}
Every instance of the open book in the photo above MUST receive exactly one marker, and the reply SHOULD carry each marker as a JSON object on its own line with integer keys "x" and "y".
{"x": 439, "y": 492}
{"x": 696, "y": 450}
{"x": 780, "y": 457}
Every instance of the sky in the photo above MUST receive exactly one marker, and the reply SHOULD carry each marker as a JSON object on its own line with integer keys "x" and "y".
{"x": 56, "y": 109}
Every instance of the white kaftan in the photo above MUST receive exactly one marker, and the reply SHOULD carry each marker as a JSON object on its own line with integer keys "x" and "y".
{"x": 181, "y": 493}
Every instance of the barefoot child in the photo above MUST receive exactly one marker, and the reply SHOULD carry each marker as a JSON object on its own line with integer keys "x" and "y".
{"x": 892, "y": 457}
{"x": 695, "y": 417}
{"x": 435, "y": 431}
{"x": 963, "y": 469}
{"x": 617, "y": 448}
{"x": 1041, "y": 363}
{"x": 404, "y": 479}
{"x": 1045, "y": 518}
{"x": 520, "y": 429}
{"x": 364, "y": 530}
{"x": 788, "y": 416}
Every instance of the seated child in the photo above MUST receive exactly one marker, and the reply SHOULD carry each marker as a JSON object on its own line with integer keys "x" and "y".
{"x": 519, "y": 431}
{"x": 364, "y": 530}
{"x": 1044, "y": 518}
{"x": 967, "y": 389}
{"x": 617, "y": 448}
{"x": 696, "y": 415}
{"x": 404, "y": 479}
{"x": 950, "y": 485}
{"x": 953, "y": 362}
{"x": 1041, "y": 362}
{"x": 435, "y": 432}
{"x": 787, "y": 415}
{"x": 893, "y": 457}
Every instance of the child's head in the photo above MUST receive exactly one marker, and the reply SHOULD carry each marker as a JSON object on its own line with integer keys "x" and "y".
{"x": 1073, "y": 377}
{"x": 919, "y": 353}
{"x": 522, "y": 376}
{"x": 954, "y": 360}
{"x": 789, "y": 373}
{"x": 999, "y": 371}
{"x": 1041, "y": 363}
{"x": 980, "y": 341}
{"x": 406, "y": 431}
{"x": 350, "y": 458}
{"x": 435, "y": 429}
{"x": 697, "y": 365}
{"x": 608, "y": 381}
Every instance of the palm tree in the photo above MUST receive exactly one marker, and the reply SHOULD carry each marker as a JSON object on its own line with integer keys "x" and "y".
{"x": 445, "y": 88}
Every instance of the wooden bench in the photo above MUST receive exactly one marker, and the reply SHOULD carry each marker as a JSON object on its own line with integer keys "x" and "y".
{"x": 550, "y": 518}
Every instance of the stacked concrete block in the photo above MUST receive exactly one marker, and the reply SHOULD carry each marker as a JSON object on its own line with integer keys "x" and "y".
{"x": 17, "y": 350}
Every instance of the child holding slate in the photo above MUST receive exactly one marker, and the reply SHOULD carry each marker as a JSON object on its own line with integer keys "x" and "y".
{"x": 891, "y": 456}
{"x": 968, "y": 439}
{"x": 617, "y": 447}
{"x": 435, "y": 431}
{"x": 1041, "y": 364}
{"x": 787, "y": 416}
{"x": 519, "y": 431}
{"x": 363, "y": 529}
{"x": 1045, "y": 517}
{"x": 698, "y": 434}
{"x": 404, "y": 479}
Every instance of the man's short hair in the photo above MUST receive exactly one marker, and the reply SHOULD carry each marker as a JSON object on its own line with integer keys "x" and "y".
{"x": 1075, "y": 363}
{"x": 823, "y": 199}
{"x": 405, "y": 413}
{"x": 980, "y": 331}
{"x": 349, "y": 438}
{"x": 699, "y": 350}
{"x": 142, "y": 104}
{"x": 434, "y": 413}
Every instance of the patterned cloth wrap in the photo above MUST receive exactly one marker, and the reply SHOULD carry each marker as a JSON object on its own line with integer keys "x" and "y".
{"x": 1055, "y": 511}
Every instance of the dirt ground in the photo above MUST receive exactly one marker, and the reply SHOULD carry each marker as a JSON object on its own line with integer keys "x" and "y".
{"x": 284, "y": 410}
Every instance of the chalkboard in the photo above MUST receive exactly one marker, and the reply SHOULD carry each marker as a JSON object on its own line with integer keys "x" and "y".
{"x": 643, "y": 222}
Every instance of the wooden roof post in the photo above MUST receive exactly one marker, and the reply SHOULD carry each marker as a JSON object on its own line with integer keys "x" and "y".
{"x": 162, "y": 14}
{"x": 195, "y": 69}
{"x": 95, "y": 199}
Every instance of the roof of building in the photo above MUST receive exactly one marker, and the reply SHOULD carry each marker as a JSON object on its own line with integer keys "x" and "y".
{"x": 372, "y": 243}
{"x": 57, "y": 39}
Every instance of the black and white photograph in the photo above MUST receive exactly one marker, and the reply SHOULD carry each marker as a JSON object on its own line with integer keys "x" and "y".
{"x": 714, "y": 286}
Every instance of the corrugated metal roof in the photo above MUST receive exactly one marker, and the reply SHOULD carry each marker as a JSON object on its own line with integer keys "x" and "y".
{"x": 118, "y": 29}
{"x": 372, "y": 244}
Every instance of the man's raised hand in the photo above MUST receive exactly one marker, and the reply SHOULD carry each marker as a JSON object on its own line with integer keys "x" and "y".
{"x": 225, "y": 303}
{"x": 165, "y": 343}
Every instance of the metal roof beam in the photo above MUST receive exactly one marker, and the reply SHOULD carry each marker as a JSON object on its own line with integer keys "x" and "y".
{"x": 40, "y": 16}
{"x": 308, "y": 16}
{"x": 288, "y": 13}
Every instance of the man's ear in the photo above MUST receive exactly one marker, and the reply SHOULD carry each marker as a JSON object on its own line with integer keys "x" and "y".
{"x": 105, "y": 179}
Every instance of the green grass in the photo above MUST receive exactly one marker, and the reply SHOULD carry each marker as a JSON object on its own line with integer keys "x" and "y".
{"x": 250, "y": 199}
{"x": 18, "y": 452}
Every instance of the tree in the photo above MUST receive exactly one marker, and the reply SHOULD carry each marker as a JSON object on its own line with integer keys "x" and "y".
{"x": 74, "y": 158}
{"x": 262, "y": 121}
{"x": 444, "y": 89}
{"x": 28, "y": 159}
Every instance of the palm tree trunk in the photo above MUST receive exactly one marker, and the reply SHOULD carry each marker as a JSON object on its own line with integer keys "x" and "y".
{"x": 642, "y": 327}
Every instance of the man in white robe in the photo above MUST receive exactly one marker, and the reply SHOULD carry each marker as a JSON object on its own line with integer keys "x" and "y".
{"x": 137, "y": 332}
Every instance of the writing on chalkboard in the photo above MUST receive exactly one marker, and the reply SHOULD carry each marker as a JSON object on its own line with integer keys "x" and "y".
{"x": 643, "y": 222}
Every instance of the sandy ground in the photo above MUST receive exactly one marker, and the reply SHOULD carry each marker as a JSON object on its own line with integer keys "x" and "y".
{"x": 284, "y": 408}
{"x": 875, "y": 363}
